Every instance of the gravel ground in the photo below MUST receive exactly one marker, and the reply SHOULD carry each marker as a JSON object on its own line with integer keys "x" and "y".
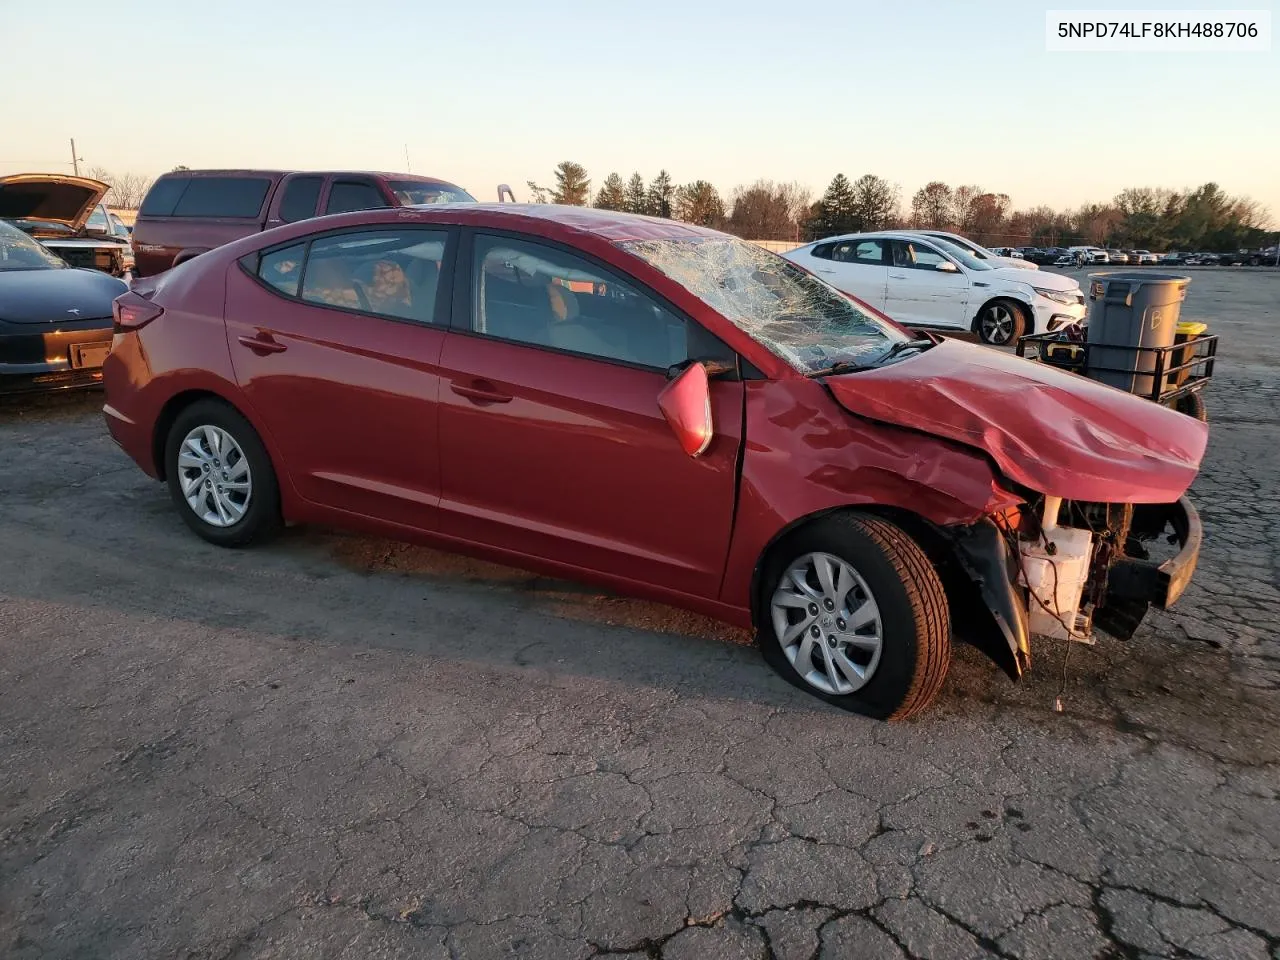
{"x": 340, "y": 747}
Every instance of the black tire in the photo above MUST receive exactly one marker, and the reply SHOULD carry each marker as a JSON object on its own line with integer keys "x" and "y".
{"x": 1192, "y": 404}
{"x": 916, "y": 623}
{"x": 261, "y": 518}
{"x": 1002, "y": 315}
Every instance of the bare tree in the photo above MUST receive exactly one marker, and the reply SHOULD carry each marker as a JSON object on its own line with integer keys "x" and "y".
{"x": 128, "y": 190}
{"x": 931, "y": 206}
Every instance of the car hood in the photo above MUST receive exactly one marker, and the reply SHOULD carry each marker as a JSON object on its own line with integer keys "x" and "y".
{"x": 1052, "y": 431}
{"x": 57, "y": 295}
{"x": 50, "y": 197}
{"x": 1045, "y": 279}
{"x": 1013, "y": 263}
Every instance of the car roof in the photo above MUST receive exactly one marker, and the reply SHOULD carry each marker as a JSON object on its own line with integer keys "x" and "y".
{"x": 550, "y": 219}
{"x": 873, "y": 235}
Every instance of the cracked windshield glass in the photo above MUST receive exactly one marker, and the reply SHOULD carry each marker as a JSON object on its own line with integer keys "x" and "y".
{"x": 803, "y": 320}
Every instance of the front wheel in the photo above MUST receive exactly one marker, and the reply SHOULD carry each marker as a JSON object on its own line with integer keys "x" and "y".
{"x": 1001, "y": 323}
{"x": 220, "y": 476}
{"x": 853, "y": 611}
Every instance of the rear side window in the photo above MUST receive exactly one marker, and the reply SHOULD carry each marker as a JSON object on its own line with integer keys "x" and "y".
{"x": 348, "y": 195}
{"x": 163, "y": 196}
{"x": 300, "y": 197}
{"x": 392, "y": 273}
{"x": 281, "y": 269}
{"x": 222, "y": 197}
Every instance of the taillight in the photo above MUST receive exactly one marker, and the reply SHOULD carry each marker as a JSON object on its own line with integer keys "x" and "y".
{"x": 131, "y": 312}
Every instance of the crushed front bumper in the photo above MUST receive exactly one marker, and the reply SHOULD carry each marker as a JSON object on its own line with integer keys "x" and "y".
{"x": 1159, "y": 584}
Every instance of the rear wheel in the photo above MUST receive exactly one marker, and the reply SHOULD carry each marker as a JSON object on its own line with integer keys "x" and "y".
{"x": 1192, "y": 404}
{"x": 1001, "y": 323}
{"x": 220, "y": 476}
{"x": 853, "y": 611}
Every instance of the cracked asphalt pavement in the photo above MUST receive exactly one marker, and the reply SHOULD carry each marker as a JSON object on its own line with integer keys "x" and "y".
{"x": 340, "y": 747}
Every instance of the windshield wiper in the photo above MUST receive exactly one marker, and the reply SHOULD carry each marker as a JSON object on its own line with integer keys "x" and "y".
{"x": 848, "y": 366}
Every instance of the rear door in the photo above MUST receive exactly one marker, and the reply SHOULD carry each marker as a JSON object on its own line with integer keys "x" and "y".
{"x": 922, "y": 292}
{"x": 551, "y": 439}
{"x": 296, "y": 198}
{"x": 336, "y": 341}
{"x": 347, "y": 193}
{"x": 858, "y": 267}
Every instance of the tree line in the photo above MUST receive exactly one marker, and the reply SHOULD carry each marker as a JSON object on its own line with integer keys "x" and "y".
{"x": 1153, "y": 218}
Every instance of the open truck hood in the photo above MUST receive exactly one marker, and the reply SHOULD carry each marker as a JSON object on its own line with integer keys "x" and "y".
{"x": 1053, "y": 431}
{"x": 50, "y": 197}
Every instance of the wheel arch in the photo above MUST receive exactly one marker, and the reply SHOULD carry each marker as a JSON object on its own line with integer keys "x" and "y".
{"x": 988, "y": 612}
{"x": 1006, "y": 297}
{"x": 183, "y": 399}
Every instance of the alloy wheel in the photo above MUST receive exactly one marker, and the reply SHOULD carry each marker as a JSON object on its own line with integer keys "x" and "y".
{"x": 997, "y": 324}
{"x": 214, "y": 475}
{"x": 827, "y": 623}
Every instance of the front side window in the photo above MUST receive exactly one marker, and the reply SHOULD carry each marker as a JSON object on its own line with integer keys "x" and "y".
{"x": 788, "y": 310}
{"x": 348, "y": 195}
{"x": 393, "y": 273}
{"x": 915, "y": 255}
{"x": 98, "y": 220}
{"x": 548, "y": 297}
{"x": 301, "y": 194}
{"x": 410, "y": 192}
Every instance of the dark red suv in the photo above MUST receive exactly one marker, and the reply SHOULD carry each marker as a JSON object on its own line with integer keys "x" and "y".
{"x": 189, "y": 212}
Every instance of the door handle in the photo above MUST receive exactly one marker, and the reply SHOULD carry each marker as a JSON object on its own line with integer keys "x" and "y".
{"x": 820, "y": 270}
{"x": 263, "y": 344}
{"x": 898, "y": 276}
{"x": 481, "y": 392}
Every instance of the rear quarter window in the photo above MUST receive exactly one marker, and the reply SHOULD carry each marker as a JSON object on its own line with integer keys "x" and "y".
{"x": 163, "y": 196}
{"x": 222, "y": 197}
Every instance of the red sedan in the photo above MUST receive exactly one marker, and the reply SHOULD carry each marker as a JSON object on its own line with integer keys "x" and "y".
{"x": 665, "y": 411}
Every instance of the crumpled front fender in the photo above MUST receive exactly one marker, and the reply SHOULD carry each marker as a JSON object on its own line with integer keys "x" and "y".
{"x": 982, "y": 552}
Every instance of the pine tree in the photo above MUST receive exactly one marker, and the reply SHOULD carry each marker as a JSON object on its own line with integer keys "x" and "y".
{"x": 613, "y": 195}
{"x": 661, "y": 193}
{"x": 573, "y": 187}
{"x": 699, "y": 202}
{"x": 637, "y": 198}
{"x": 834, "y": 212}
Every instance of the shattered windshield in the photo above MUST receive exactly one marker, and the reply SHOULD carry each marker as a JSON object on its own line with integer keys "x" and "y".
{"x": 797, "y": 316}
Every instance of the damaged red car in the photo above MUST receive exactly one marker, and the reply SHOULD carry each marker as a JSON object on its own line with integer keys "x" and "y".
{"x": 664, "y": 411}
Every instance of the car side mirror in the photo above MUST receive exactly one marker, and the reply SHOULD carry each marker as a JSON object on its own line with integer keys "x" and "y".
{"x": 685, "y": 402}
{"x": 946, "y": 266}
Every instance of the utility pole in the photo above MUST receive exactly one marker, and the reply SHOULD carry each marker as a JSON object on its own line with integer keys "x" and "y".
{"x": 75, "y": 160}
{"x": 407, "y": 167}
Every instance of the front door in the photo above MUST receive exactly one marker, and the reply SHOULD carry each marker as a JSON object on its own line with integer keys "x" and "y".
{"x": 921, "y": 291}
{"x": 551, "y": 439}
{"x": 336, "y": 343}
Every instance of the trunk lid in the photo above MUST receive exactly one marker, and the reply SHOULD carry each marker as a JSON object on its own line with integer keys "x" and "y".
{"x": 50, "y": 198}
{"x": 1053, "y": 431}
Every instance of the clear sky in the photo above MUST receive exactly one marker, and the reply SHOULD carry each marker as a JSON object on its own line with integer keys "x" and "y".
{"x": 499, "y": 91}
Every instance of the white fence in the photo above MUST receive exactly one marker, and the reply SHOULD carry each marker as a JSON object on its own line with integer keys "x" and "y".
{"x": 779, "y": 246}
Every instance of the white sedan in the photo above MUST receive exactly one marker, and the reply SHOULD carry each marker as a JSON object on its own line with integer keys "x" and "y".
{"x": 928, "y": 282}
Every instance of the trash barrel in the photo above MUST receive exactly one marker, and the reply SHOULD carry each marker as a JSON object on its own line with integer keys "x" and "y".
{"x": 1130, "y": 313}
{"x": 1184, "y": 338}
